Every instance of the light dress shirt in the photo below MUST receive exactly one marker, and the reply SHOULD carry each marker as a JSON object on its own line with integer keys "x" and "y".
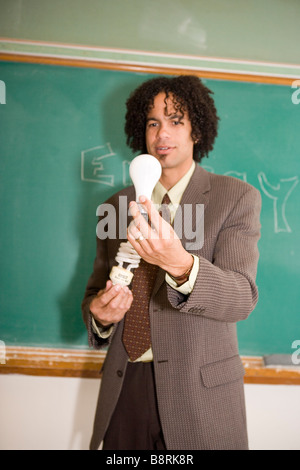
{"x": 175, "y": 195}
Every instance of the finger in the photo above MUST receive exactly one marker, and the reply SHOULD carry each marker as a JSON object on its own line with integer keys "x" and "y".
{"x": 108, "y": 294}
{"x": 109, "y": 284}
{"x": 127, "y": 300}
{"x": 139, "y": 236}
{"x": 139, "y": 218}
{"x": 137, "y": 245}
{"x": 119, "y": 302}
{"x": 134, "y": 231}
{"x": 157, "y": 222}
{"x": 161, "y": 226}
{"x": 134, "y": 210}
{"x": 141, "y": 223}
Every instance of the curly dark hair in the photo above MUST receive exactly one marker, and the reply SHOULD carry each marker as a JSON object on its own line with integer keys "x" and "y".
{"x": 189, "y": 95}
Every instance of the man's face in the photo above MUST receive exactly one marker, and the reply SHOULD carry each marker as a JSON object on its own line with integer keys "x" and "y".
{"x": 168, "y": 135}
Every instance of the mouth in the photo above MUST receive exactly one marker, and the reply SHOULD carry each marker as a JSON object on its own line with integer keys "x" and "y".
{"x": 163, "y": 150}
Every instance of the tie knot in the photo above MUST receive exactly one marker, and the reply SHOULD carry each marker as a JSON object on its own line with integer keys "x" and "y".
{"x": 166, "y": 199}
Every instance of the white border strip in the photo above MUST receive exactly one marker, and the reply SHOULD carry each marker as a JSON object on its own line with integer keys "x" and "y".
{"x": 124, "y": 58}
{"x": 155, "y": 64}
{"x": 147, "y": 53}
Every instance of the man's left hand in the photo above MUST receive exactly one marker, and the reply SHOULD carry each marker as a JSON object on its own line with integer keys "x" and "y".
{"x": 157, "y": 244}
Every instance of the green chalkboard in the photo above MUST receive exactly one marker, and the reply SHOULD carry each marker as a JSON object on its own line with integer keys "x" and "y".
{"x": 63, "y": 152}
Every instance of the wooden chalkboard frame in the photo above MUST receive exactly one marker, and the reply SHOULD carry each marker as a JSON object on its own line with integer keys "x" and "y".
{"x": 88, "y": 363}
{"x": 85, "y": 363}
{"x": 119, "y": 66}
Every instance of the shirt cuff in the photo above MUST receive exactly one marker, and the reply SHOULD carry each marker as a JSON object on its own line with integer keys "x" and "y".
{"x": 188, "y": 286}
{"x": 102, "y": 332}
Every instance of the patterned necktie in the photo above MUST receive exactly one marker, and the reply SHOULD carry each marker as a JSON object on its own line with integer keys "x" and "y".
{"x": 136, "y": 332}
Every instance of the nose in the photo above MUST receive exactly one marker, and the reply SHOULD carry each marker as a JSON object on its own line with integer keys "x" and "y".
{"x": 162, "y": 131}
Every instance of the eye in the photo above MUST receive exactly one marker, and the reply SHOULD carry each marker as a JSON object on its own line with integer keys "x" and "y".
{"x": 152, "y": 124}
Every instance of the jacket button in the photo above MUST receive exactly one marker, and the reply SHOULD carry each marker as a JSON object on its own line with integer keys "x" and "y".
{"x": 119, "y": 373}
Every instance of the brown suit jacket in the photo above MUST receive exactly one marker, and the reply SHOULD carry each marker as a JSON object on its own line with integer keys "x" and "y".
{"x": 198, "y": 371}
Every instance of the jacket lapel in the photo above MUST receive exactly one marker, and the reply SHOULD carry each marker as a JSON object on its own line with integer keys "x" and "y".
{"x": 197, "y": 192}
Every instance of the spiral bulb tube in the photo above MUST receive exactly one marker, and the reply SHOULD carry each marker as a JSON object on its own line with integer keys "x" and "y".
{"x": 126, "y": 254}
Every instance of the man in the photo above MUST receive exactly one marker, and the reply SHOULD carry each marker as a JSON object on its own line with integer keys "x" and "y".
{"x": 185, "y": 389}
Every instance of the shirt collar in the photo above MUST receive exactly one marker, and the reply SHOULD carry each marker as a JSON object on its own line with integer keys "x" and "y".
{"x": 176, "y": 192}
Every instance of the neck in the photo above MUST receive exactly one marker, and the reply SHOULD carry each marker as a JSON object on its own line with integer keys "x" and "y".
{"x": 171, "y": 176}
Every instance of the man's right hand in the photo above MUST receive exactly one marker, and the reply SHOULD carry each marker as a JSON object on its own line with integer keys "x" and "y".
{"x": 111, "y": 304}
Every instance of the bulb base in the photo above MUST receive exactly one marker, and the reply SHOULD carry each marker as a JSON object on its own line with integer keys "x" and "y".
{"x": 121, "y": 276}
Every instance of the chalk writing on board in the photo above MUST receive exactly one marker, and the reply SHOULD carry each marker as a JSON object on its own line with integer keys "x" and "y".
{"x": 2, "y": 92}
{"x": 280, "y": 194}
{"x": 94, "y": 168}
{"x": 94, "y": 165}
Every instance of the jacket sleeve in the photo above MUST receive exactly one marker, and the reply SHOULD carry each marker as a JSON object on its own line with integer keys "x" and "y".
{"x": 225, "y": 287}
{"x": 96, "y": 282}
{"x": 106, "y": 250}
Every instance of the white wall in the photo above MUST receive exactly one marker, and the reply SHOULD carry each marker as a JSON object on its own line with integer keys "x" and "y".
{"x": 44, "y": 413}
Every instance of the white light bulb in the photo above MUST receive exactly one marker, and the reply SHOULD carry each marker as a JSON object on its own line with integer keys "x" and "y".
{"x": 145, "y": 171}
